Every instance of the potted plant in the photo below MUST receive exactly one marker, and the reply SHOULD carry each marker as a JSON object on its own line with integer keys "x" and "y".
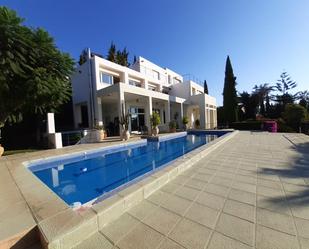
{"x": 185, "y": 122}
{"x": 155, "y": 121}
{"x": 173, "y": 126}
{"x": 101, "y": 134}
{"x": 197, "y": 124}
{"x": 124, "y": 122}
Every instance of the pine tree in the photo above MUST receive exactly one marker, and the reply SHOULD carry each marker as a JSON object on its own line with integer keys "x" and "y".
{"x": 205, "y": 87}
{"x": 82, "y": 57}
{"x": 229, "y": 94}
{"x": 111, "y": 56}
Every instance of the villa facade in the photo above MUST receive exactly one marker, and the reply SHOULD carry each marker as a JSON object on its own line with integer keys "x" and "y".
{"x": 102, "y": 90}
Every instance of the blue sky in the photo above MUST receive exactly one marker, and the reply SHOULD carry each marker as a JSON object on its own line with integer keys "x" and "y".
{"x": 262, "y": 37}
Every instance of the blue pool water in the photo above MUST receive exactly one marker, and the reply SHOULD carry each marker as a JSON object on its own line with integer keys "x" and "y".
{"x": 82, "y": 179}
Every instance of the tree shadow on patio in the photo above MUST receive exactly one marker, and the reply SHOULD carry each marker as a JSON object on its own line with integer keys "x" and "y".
{"x": 294, "y": 177}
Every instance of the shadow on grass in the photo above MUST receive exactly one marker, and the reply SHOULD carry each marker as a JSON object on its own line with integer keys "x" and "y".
{"x": 297, "y": 173}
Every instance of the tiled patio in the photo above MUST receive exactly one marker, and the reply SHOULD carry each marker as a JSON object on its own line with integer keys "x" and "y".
{"x": 252, "y": 192}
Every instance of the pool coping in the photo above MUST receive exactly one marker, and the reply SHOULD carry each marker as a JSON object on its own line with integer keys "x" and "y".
{"x": 55, "y": 233}
{"x": 62, "y": 227}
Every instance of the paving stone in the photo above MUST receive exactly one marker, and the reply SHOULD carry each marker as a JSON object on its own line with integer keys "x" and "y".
{"x": 278, "y": 204}
{"x": 170, "y": 188}
{"x": 176, "y": 204}
{"x": 120, "y": 227}
{"x": 267, "y": 238}
{"x": 240, "y": 210}
{"x": 219, "y": 241}
{"x": 302, "y": 227}
{"x": 304, "y": 243}
{"x": 210, "y": 200}
{"x": 236, "y": 228}
{"x": 242, "y": 196}
{"x": 197, "y": 184}
{"x": 141, "y": 237}
{"x": 202, "y": 177}
{"x": 203, "y": 215}
{"x": 96, "y": 241}
{"x": 216, "y": 189}
{"x": 277, "y": 221}
{"x": 191, "y": 235}
{"x": 143, "y": 209}
{"x": 162, "y": 220}
{"x": 221, "y": 181}
{"x": 245, "y": 187}
{"x": 187, "y": 193}
{"x": 169, "y": 244}
{"x": 269, "y": 184}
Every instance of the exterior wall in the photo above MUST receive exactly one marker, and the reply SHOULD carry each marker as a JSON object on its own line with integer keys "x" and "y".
{"x": 185, "y": 98}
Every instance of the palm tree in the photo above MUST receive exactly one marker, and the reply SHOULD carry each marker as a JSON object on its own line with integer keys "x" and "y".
{"x": 263, "y": 91}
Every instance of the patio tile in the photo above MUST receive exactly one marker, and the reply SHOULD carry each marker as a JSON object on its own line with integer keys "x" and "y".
{"x": 120, "y": 227}
{"x": 202, "y": 215}
{"x": 162, "y": 220}
{"x": 219, "y": 241}
{"x": 302, "y": 227}
{"x": 269, "y": 183}
{"x": 170, "y": 188}
{"x": 210, "y": 200}
{"x": 242, "y": 196}
{"x": 244, "y": 186}
{"x": 236, "y": 228}
{"x": 267, "y": 238}
{"x": 278, "y": 204}
{"x": 269, "y": 192}
{"x": 190, "y": 234}
{"x": 221, "y": 181}
{"x": 96, "y": 241}
{"x": 274, "y": 220}
{"x": 143, "y": 209}
{"x": 176, "y": 204}
{"x": 158, "y": 197}
{"x": 304, "y": 243}
{"x": 169, "y": 244}
{"x": 141, "y": 237}
{"x": 202, "y": 177}
{"x": 197, "y": 184}
{"x": 240, "y": 210}
{"x": 216, "y": 189}
{"x": 187, "y": 193}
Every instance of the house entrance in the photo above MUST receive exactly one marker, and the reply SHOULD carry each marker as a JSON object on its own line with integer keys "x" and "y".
{"x": 137, "y": 121}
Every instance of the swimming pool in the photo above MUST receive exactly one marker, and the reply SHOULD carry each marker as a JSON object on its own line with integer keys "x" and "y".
{"x": 84, "y": 177}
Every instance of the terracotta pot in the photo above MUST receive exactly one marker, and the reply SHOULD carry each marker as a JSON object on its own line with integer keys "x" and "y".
{"x": 1, "y": 150}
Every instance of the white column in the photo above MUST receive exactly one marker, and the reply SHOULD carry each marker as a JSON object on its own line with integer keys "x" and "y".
{"x": 146, "y": 83}
{"x": 121, "y": 106}
{"x": 202, "y": 116}
{"x": 167, "y": 109}
{"x": 125, "y": 78}
{"x": 149, "y": 113}
{"x": 181, "y": 111}
{"x": 99, "y": 117}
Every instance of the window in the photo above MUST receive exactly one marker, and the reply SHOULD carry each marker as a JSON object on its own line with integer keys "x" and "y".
{"x": 106, "y": 78}
{"x": 156, "y": 74}
{"x": 135, "y": 83}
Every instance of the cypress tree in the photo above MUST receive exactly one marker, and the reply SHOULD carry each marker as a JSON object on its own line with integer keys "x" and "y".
{"x": 205, "y": 87}
{"x": 111, "y": 56}
{"x": 229, "y": 94}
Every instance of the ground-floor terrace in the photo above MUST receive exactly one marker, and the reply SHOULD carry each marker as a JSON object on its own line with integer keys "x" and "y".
{"x": 252, "y": 191}
{"x": 113, "y": 101}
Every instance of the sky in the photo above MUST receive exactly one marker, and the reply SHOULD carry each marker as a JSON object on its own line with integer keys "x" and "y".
{"x": 262, "y": 37}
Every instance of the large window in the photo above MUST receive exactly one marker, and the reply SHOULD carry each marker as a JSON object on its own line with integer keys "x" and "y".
{"x": 106, "y": 78}
{"x": 156, "y": 74}
{"x": 135, "y": 83}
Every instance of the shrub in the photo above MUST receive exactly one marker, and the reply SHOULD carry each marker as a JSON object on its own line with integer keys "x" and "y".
{"x": 248, "y": 125}
{"x": 155, "y": 120}
{"x": 172, "y": 125}
{"x": 197, "y": 123}
{"x": 185, "y": 120}
{"x": 283, "y": 127}
{"x": 293, "y": 115}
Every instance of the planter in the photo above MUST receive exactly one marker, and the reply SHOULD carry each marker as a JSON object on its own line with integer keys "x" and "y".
{"x": 125, "y": 135}
{"x": 155, "y": 131}
{"x": 172, "y": 129}
{"x": 1, "y": 150}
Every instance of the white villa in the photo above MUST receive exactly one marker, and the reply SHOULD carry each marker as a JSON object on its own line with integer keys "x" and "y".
{"x": 101, "y": 89}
